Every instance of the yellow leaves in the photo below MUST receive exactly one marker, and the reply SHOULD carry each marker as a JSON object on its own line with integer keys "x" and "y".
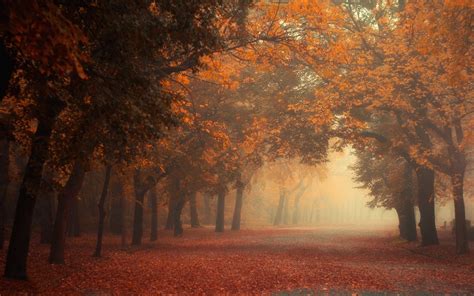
{"x": 460, "y": 3}
{"x": 248, "y": 145}
{"x": 210, "y": 178}
{"x": 354, "y": 123}
{"x": 181, "y": 110}
{"x": 254, "y": 135}
{"x": 153, "y": 8}
{"x": 182, "y": 78}
{"x": 210, "y": 156}
{"x": 222, "y": 70}
{"x": 233, "y": 85}
{"x": 166, "y": 84}
{"x": 59, "y": 53}
{"x": 87, "y": 100}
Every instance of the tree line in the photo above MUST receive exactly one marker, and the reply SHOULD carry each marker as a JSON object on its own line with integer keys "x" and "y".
{"x": 196, "y": 96}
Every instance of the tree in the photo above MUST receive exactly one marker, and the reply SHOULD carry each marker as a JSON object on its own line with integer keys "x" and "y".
{"x": 390, "y": 181}
{"x": 154, "y": 214}
{"x": 93, "y": 97}
{"x": 387, "y": 45}
{"x": 101, "y": 206}
{"x": 193, "y": 211}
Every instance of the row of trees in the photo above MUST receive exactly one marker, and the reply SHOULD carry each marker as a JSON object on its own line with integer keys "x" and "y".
{"x": 97, "y": 90}
{"x": 195, "y": 96}
{"x": 392, "y": 80}
{"x": 131, "y": 87}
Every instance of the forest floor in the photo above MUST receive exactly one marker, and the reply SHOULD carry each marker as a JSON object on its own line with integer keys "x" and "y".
{"x": 255, "y": 261}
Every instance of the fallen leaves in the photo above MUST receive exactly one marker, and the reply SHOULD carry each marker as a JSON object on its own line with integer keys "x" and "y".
{"x": 249, "y": 261}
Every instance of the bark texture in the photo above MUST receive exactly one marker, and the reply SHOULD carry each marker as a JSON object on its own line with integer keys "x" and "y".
{"x": 65, "y": 202}
{"x": 102, "y": 213}
{"x": 15, "y": 266}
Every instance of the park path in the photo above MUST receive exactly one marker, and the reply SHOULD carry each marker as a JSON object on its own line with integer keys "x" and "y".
{"x": 251, "y": 261}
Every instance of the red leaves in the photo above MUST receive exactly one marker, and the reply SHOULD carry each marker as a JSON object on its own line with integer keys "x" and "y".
{"x": 249, "y": 261}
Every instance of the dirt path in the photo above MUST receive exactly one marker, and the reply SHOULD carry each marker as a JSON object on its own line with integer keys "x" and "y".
{"x": 252, "y": 261}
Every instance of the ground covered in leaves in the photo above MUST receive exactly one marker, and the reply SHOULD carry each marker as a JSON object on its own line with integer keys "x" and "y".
{"x": 250, "y": 261}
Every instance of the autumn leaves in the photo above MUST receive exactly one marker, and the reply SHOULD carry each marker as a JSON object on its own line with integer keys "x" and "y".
{"x": 199, "y": 94}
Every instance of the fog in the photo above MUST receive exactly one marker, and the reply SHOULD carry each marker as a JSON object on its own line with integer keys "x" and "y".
{"x": 148, "y": 146}
{"x": 332, "y": 198}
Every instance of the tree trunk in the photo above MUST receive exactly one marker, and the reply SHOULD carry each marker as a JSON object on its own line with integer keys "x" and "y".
{"x": 154, "y": 214}
{"x": 406, "y": 216}
{"x": 65, "y": 200}
{"x": 301, "y": 188}
{"x": 171, "y": 210}
{"x": 138, "y": 218}
{"x": 238, "y": 206}
{"x": 207, "y": 209}
{"x": 15, "y": 266}
{"x": 220, "y": 210}
{"x": 6, "y": 69}
{"x": 117, "y": 208}
{"x": 410, "y": 225}
{"x": 102, "y": 213}
{"x": 425, "y": 179}
{"x": 73, "y": 221}
{"x": 4, "y": 180}
{"x": 181, "y": 201}
{"x": 193, "y": 211}
{"x": 279, "y": 213}
{"x": 401, "y": 223}
{"x": 124, "y": 205}
{"x": 407, "y": 197}
{"x": 462, "y": 241}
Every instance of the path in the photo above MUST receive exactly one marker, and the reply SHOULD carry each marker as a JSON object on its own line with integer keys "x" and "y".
{"x": 265, "y": 260}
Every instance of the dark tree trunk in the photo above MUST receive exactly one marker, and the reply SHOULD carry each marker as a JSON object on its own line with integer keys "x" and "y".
{"x": 193, "y": 211}
{"x": 425, "y": 179}
{"x": 401, "y": 223}
{"x": 207, "y": 209}
{"x": 117, "y": 208}
{"x": 406, "y": 211}
{"x": 6, "y": 69}
{"x": 124, "y": 205}
{"x": 220, "y": 210}
{"x": 279, "y": 212}
{"x": 407, "y": 223}
{"x": 138, "y": 218}
{"x": 238, "y": 206}
{"x": 102, "y": 213}
{"x": 74, "y": 219}
{"x": 15, "y": 266}
{"x": 154, "y": 214}
{"x": 65, "y": 200}
{"x": 462, "y": 241}
{"x": 410, "y": 225}
{"x": 171, "y": 210}
{"x": 407, "y": 198}
{"x": 178, "y": 225}
{"x": 4, "y": 180}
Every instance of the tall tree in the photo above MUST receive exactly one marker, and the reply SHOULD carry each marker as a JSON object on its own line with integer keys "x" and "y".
{"x": 102, "y": 213}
